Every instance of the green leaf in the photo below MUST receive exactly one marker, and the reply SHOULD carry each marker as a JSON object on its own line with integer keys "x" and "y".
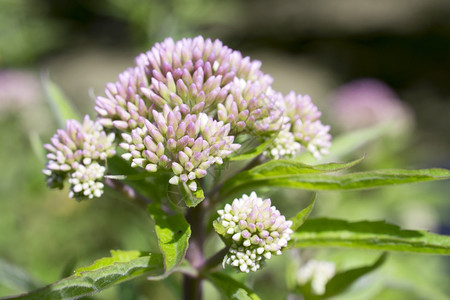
{"x": 173, "y": 233}
{"x": 230, "y": 288}
{"x": 376, "y": 235}
{"x": 104, "y": 273}
{"x": 16, "y": 278}
{"x": 253, "y": 152}
{"x": 318, "y": 180}
{"x": 342, "y": 280}
{"x": 278, "y": 171}
{"x": 191, "y": 198}
{"x": 60, "y": 105}
{"x": 301, "y": 217}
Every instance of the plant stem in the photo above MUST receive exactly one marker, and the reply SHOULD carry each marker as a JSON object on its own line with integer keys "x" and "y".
{"x": 192, "y": 286}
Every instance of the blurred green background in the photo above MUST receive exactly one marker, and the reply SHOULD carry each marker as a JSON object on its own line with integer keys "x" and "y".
{"x": 327, "y": 49}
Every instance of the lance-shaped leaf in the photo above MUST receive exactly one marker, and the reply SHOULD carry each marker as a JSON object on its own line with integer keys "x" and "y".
{"x": 301, "y": 217}
{"x": 278, "y": 171}
{"x": 104, "y": 273}
{"x": 319, "y": 180}
{"x": 342, "y": 280}
{"x": 173, "y": 233}
{"x": 60, "y": 105}
{"x": 230, "y": 288}
{"x": 376, "y": 235}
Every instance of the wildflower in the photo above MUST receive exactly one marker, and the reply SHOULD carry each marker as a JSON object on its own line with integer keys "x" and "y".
{"x": 78, "y": 153}
{"x": 302, "y": 129}
{"x": 256, "y": 231}
{"x": 318, "y": 273}
{"x": 188, "y": 145}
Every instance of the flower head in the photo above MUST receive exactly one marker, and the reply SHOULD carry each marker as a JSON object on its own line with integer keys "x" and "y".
{"x": 77, "y": 153}
{"x": 318, "y": 273}
{"x": 194, "y": 74}
{"x": 187, "y": 145}
{"x": 256, "y": 231}
{"x": 302, "y": 129}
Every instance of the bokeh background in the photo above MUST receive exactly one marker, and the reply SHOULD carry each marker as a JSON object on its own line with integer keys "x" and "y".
{"x": 378, "y": 70}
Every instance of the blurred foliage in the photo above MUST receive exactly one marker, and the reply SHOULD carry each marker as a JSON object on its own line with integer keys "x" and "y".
{"x": 315, "y": 46}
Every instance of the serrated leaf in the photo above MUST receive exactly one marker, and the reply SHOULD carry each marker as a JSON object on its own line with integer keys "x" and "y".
{"x": 104, "y": 273}
{"x": 319, "y": 180}
{"x": 301, "y": 217}
{"x": 173, "y": 233}
{"x": 60, "y": 105}
{"x": 376, "y": 235}
{"x": 230, "y": 288}
{"x": 342, "y": 280}
{"x": 252, "y": 153}
{"x": 279, "y": 170}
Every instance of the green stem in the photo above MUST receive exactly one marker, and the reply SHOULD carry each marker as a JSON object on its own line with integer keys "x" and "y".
{"x": 192, "y": 285}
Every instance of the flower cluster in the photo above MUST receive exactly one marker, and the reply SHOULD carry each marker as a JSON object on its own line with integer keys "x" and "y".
{"x": 256, "y": 231}
{"x": 195, "y": 74}
{"x": 318, "y": 273}
{"x": 188, "y": 145}
{"x": 180, "y": 108}
{"x": 78, "y": 153}
{"x": 301, "y": 129}
{"x": 183, "y": 103}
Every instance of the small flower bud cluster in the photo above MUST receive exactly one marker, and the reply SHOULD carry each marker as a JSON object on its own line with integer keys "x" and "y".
{"x": 284, "y": 145}
{"x": 318, "y": 273}
{"x": 251, "y": 107}
{"x": 77, "y": 153}
{"x": 125, "y": 106}
{"x": 186, "y": 145}
{"x": 256, "y": 231}
{"x": 302, "y": 129}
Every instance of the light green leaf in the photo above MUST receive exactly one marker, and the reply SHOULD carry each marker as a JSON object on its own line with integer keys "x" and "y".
{"x": 191, "y": 198}
{"x": 316, "y": 181}
{"x": 342, "y": 280}
{"x": 60, "y": 105}
{"x": 301, "y": 217}
{"x": 278, "y": 171}
{"x": 173, "y": 233}
{"x": 253, "y": 152}
{"x": 230, "y": 288}
{"x": 104, "y": 273}
{"x": 376, "y": 235}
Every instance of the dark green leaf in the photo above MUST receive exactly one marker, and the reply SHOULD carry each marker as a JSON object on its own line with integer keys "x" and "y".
{"x": 230, "y": 288}
{"x": 376, "y": 235}
{"x": 61, "y": 106}
{"x": 104, "y": 273}
{"x": 278, "y": 171}
{"x": 173, "y": 233}
{"x": 316, "y": 181}
{"x": 342, "y": 280}
{"x": 301, "y": 217}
